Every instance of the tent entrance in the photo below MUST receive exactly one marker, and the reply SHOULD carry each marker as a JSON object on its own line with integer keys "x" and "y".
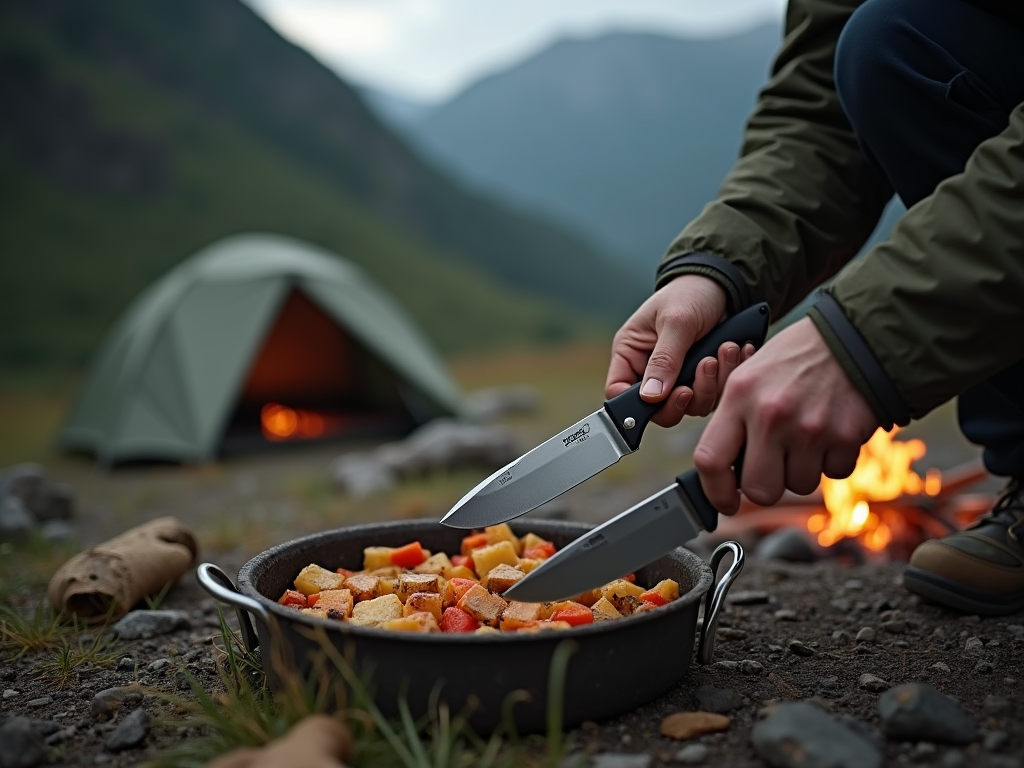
{"x": 311, "y": 381}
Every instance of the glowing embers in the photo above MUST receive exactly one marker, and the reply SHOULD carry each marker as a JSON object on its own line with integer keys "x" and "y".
{"x": 882, "y": 474}
{"x": 280, "y": 423}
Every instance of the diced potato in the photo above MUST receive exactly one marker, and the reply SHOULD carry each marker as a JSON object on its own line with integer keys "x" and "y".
{"x": 668, "y": 589}
{"x": 460, "y": 572}
{"x": 438, "y": 564}
{"x": 389, "y": 585}
{"x": 502, "y": 532}
{"x": 385, "y": 572}
{"x": 532, "y": 540}
{"x": 546, "y": 609}
{"x": 482, "y": 605}
{"x": 547, "y": 626}
{"x": 627, "y": 605}
{"x": 377, "y": 557}
{"x": 485, "y": 630}
{"x": 372, "y": 613}
{"x": 619, "y": 588}
{"x": 363, "y": 586}
{"x": 604, "y": 610}
{"x": 519, "y": 615}
{"x": 423, "y": 602}
{"x": 588, "y": 598}
{"x": 315, "y": 612}
{"x": 502, "y": 577}
{"x": 336, "y": 603}
{"x": 313, "y": 579}
{"x": 410, "y": 583}
{"x": 493, "y": 555}
{"x": 527, "y": 564}
{"x": 413, "y": 622}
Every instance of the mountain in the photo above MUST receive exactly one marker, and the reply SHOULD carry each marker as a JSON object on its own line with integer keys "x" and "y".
{"x": 624, "y": 137}
{"x": 397, "y": 111}
{"x": 134, "y": 132}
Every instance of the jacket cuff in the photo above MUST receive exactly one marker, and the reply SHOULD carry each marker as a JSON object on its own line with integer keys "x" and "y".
{"x": 712, "y": 266}
{"x": 858, "y": 361}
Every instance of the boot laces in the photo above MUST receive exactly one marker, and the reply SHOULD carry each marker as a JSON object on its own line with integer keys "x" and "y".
{"x": 1008, "y": 510}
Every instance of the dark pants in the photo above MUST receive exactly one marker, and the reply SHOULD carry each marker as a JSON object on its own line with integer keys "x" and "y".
{"x": 923, "y": 82}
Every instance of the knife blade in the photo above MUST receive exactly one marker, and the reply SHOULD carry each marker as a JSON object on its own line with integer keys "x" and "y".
{"x": 593, "y": 443}
{"x": 626, "y": 543}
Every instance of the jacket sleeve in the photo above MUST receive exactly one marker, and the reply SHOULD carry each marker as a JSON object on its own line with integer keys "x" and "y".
{"x": 802, "y": 198}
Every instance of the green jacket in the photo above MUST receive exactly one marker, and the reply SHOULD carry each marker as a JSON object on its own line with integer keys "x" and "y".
{"x": 922, "y": 317}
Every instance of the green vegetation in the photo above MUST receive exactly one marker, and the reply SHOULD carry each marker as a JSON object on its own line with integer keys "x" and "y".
{"x": 63, "y": 664}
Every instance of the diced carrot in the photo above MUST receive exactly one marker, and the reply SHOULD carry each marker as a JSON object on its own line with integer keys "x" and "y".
{"x": 472, "y": 542}
{"x": 344, "y": 572}
{"x": 293, "y": 597}
{"x": 630, "y": 577}
{"x": 312, "y": 600}
{"x": 574, "y": 616}
{"x": 465, "y": 560}
{"x": 457, "y": 620}
{"x": 652, "y": 597}
{"x": 460, "y": 587}
{"x": 540, "y": 552}
{"x": 408, "y": 556}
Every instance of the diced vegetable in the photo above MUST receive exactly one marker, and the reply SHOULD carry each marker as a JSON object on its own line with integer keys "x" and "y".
{"x": 457, "y": 620}
{"x": 526, "y": 565}
{"x": 437, "y": 563}
{"x": 502, "y": 577}
{"x": 376, "y": 557}
{"x": 293, "y": 597}
{"x": 502, "y": 532}
{"x": 473, "y": 541}
{"x": 389, "y": 585}
{"x": 420, "y": 602}
{"x": 572, "y": 613}
{"x": 603, "y": 610}
{"x": 410, "y": 583}
{"x": 627, "y": 605}
{"x": 544, "y": 626}
{"x": 542, "y": 551}
{"x": 652, "y": 597}
{"x": 588, "y": 598}
{"x": 413, "y": 622}
{"x": 482, "y": 605}
{"x": 455, "y": 589}
{"x": 363, "y": 586}
{"x": 336, "y": 603}
{"x": 620, "y": 587}
{"x": 464, "y": 560}
{"x": 343, "y": 572}
{"x": 374, "y": 612}
{"x": 460, "y": 572}
{"x": 520, "y": 615}
{"x": 630, "y": 577}
{"x": 532, "y": 540}
{"x": 485, "y": 630}
{"x": 313, "y": 578}
{"x": 312, "y": 599}
{"x": 492, "y": 556}
{"x": 667, "y": 588}
{"x": 409, "y": 556}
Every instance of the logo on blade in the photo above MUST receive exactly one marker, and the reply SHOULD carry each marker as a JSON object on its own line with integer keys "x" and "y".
{"x": 578, "y": 436}
{"x": 505, "y": 477}
{"x": 595, "y": 541}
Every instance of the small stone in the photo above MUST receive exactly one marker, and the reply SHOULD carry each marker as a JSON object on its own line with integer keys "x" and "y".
{"x": 692, "y": 754}
{"x": 16, "y": 522}
{"x": 841, "y": 604}
{"x": 719, "y": 700}
{"x": 10, "y": 693}
{"x": 789, "y": 544}
{"x": 62, "y": 735}
{"x": 984, "y": 668}
{"x": 1017, "y": 630}
{"x": 751, "y": 667}
{"x": 802, "y": 736}
{"x": 863, "y": 649}
{"x": 865, "y": 635}
{"x": 953, "y": 759}
{"x": 797, "y": 648}
{"x": 747, "y": 597}
{"x": 42, "y": 701}
{"x": 130, "y": 732}
{"x": 57, "y": 531}
{"x": 853, "y": 584}
{"x": 106, "y": 704}
{"x": 728, "y": 666}
{"x": 127, "y": 664}
{"x": 918, "y": 712}
{"x": 786, "y": 614}
{"x": 146, "y": 624}
{"x": 158, "y": 665}
{"x": 890, "y": 616}
{"x": 897, "y": 627}
{"x": 995, "y": 740}
{"x": 21, "y": 746}
{"x": 686, "y": 725}
{"x": 996, "y": 705}
{"x": 974, "y": 645}
{"x": 872, "y": 683}
{"x": 775, "y": 648}
{"x": 924, "y": 749}
{"x": 728, "y": 633}
{"x": 839, "y": 637}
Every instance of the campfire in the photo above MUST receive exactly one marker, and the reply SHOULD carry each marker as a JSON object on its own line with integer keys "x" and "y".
{"x": 280, "y": 423}
{"x": 884, "y": 509}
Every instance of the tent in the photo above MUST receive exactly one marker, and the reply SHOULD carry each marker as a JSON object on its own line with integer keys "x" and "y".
{"x": 256, "y": 339}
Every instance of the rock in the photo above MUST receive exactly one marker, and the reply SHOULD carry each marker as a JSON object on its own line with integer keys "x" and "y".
{"x": 797, "y": 648}
{"x": 718, "y": 700}
{"x": 728, "y": 633}
{"x": 941, "y": 666}
{"x": 853, "y": 584}
{"x": 22, "y": 480}
{"x": 789, "y": 544}
{"x": 130, "y": 732}
{"x": 839, "y": 637}
{"x": 974, "y": 646}
{"x": 621, "y": 760}
{"x": 918, "y": 712}
{"x": 10, "y": 693}
{"x": 146, "y": 624}
{"x": 896, "y": 627}
{"x": 21, "y": 746}
{"x": 923, "y": 750}
{"x": 747, "y": 597}
{"x": 686, "y": 725}
{"x": 446, "y": 444}
{"x": 995, "y": 740}
{"x": 52, "y": 502}
{"x": 363, "y": 475}
{"x": 61, "y": 735}
{"x": 1017, "y": 630}
{"x": 872, "y": 683}
{"x": 42, "y": 701}
{"x": 56, "y": 531}
{"x": 692, "y": 754}
{"x": 865, "y": 635}
{"x": 488, "y": 404}
{"x": 984, "y": 667}
{"x": 802, "y": 736}
{"x": 996, "y": 705}
{"x": 16, "y": 522}
{"x": 751, "y": 667}
{"x": 953, "y": 759}
{"x": 158, "y": 665}
{"x": 786, "y": 614}
{"x": 105, "y": 704}
{"x": 45, "y": 727}
{"x": 728, "y": 666}
{"x": 127, "y": 664}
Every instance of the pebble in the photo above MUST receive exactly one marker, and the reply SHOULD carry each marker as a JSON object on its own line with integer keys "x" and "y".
{"x": 863, "y": 649}
{"x": 42, "y": 701}
{"x": 146, "y": 624}
{"x": 953, "y": 759}
{"x": 895, "y": 627}
{"x": 686, "y": 725}
{"x": 1017, "y": 630}
{"x": 853, "y": 584}
{"x": 839, "y": 637}
{"x": 158, "y": 665}
{"x": 802, "y": 736}
{"x": 21, "y": 746}
{"x": 924, "y": 749}
{"x": 865, "y": 635}
{"x": 995, "y": 705}
{"x": 127, "y": 664}
{"x": 984, "y": 667}
{"x": 751, "y": 667}
{"x": 918, "y": 712}
{"x": 45, "y": 727}
{"x": 60, "y": 736}
{"x": 10, "y": 693}
{"x": 995, "y": 740}
{"x": 106, "y": 703}
{"x": 974, "y": 645}
{"x": 718, "y": 700}
{"x": 728, "y": 633}
{"x": 729, "y": 666}
{"x": 748, "y": 597}
{"x": 789, "y": 544}
{"x": 129, "y": 732}
{"x": 692, "y": 754}
{"x": 941, "y": 666}
{"x": 799, "y": 649}
{"x": 785, "y": 614}
{"x": 872, "y": 683}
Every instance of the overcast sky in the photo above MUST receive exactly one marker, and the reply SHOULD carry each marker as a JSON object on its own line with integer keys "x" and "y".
{"x": 429, "y": 49}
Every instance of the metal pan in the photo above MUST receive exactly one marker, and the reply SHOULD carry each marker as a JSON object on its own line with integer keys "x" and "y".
{"x": 617, "y": 666}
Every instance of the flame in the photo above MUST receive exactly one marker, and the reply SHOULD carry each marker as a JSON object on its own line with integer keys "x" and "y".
{"x": 882, "y": 473}
{"x": 279, "y": 422}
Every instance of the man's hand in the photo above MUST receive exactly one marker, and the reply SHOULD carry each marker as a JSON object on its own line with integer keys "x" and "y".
{"x": 654, "y": 341}
{"x": 799, "y": 415}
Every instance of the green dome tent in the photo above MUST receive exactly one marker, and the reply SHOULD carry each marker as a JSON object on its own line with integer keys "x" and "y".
{"x": 249, "y": 323}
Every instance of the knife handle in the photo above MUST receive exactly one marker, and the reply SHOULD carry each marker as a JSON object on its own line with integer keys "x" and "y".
{"x": 631, "y": 413}
{"x": 690, "y": 482}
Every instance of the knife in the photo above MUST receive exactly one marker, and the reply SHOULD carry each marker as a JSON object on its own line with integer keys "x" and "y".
{"x": 592, "y": 444}
{"x": 624, "y": 544}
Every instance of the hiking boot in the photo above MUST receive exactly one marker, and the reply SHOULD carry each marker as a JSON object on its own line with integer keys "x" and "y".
{"x": 981, "y": 569}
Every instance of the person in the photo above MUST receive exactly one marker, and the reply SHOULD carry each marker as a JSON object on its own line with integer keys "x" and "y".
{"x": 921, "y": 98}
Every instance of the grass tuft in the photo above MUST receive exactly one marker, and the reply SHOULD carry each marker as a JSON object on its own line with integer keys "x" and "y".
{"x": 63, "y": 664}
{"x": 41, "y": 630}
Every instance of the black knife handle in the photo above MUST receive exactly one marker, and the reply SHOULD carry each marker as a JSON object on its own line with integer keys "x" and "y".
{"x": 631, "y": 413}
{"x": 690, "y": 482}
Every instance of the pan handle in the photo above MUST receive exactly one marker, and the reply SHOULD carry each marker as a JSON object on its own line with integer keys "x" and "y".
{"x": 716, "y": 596}
{"x": 219, "y": 585}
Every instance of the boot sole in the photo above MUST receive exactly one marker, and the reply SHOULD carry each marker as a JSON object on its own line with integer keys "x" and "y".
{"x": 957, "y": 596}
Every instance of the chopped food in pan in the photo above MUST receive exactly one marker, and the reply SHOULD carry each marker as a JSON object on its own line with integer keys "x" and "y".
{"x": 409, "y": 589}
